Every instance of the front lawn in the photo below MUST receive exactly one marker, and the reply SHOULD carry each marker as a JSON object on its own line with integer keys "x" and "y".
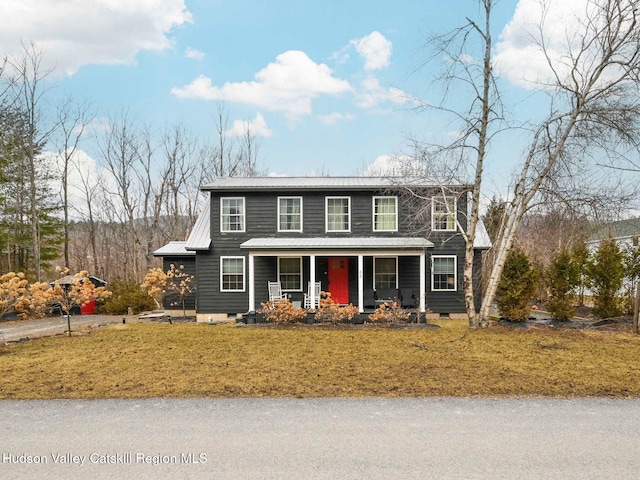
{"x": 194, "y": 360}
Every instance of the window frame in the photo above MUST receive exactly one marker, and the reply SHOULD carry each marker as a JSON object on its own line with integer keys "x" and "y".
{"x": 284, "y": 289}
{"x": 326, "y": 214}
{"x": 375, "y": 261}
{"x": 439, "y": 200}
{"x": 280, "y": 213}
{"x": 455, "y": 273}
{"x": 243, "y": 215}
{"x": 395, "y": 213}
{"x": 222, "y": 273}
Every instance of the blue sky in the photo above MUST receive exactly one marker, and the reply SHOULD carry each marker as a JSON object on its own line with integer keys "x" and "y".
{"x": 325, "y": 85}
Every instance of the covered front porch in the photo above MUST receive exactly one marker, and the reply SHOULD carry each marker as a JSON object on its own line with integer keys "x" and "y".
{"x": 353, "y": 270}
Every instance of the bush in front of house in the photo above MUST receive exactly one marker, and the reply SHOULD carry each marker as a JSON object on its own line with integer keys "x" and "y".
{"x": 282, "y": 312}
{"x": 125, "y": 295}
{"x": 332, "y": 312}
{"x": 389, "y": 313}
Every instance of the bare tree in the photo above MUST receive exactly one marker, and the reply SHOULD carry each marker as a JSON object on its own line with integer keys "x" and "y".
{"x": 120, "y": 151}
{"x": 73, "y": 119}
{"x": 594, "y": 110}
{"x": 594, "y": 114}
{"x": 470, "y": 69}
{"x": 179, "y": 201}
{"x": 227, "y": 159}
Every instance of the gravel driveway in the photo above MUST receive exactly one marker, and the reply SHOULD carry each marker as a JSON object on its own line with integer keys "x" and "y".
{"x": 17, "y": 330}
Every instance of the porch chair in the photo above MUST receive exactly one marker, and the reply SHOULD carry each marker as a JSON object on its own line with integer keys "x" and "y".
{"x": 407, "y": 298}
{"x": 307, "y": 296}
{"x": 369, "y": 298}
{"x": 275, "y": 292}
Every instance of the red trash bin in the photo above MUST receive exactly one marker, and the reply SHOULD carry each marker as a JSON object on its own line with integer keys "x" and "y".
{"x": 88, "y": 308}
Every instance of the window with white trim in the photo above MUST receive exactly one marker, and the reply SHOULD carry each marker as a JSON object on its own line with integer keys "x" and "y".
{"x": 290, "y": 273}
{"x": 443, "y": 213}
{"x": 385, "y": 214}
{"x": 232, "y": 214}
{"x": 385, "y": 272}
{"x": 289, "y": 214}
{"x": 232, "y": 274}
{"x": 444, "y": 272}
{"x": 338, "y": 211}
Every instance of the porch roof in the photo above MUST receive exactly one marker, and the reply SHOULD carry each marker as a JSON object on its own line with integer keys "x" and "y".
{"x": 331, "y": 243}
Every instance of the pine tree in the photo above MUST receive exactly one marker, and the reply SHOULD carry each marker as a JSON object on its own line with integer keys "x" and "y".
{"x": 606, "y": 272}
{"x": 517, "y": 286}
{"x": 580, "y": 258}
{"x": 563, "y": 275}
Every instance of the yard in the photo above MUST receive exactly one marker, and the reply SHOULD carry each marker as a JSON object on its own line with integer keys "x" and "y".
{"x": 196, "y": 360}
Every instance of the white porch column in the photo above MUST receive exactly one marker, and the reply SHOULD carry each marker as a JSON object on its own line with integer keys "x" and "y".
{"x": 312, "y": 278}
{"x": 252, "y": 288}
{"x": 423, "y": 281}
{"x": 361, "y": 283}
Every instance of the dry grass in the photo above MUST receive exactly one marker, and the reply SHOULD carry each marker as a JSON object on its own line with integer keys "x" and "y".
{"x": 132, "y": 361}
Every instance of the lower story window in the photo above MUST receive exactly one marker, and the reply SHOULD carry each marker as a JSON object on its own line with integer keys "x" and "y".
{"x": 232, "y": 274}
{"x": 290, "y": 273}
{"x": 385, "y": 273}
{"x": 443, "y": 272}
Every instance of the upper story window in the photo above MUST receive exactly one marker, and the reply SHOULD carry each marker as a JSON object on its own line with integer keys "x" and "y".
{"x": 232, "y": 215}
{"x": 385, "y": 214}
{"x": 289, "y": 214}
{"x": 338, "y": 214}
{"x": 443, "y": 213}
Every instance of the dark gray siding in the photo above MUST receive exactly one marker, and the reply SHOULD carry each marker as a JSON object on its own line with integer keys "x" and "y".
{"x": 189, "y": 268}
{"x": 262, "y": 221}
{"x": 409, "y": 273}
{"x": 447, "y": 301}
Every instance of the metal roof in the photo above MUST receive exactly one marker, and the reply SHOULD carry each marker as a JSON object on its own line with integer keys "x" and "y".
{"x": 482, "y": 240}
{"x": 173, "y": 249}
{"x": 68, "y": 280}
{"x": 200, "y": 236}
{"x": 330, "y": 243}
{"x": 320, "y": 183}
{"x": 619, "y": 230}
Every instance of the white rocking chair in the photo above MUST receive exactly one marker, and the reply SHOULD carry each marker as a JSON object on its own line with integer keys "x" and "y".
{"x": 316, "y": 296}
{"x": 275, "y": 292}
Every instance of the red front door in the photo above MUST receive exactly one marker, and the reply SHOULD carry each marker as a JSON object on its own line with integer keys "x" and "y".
{"x": 339, "y": 279}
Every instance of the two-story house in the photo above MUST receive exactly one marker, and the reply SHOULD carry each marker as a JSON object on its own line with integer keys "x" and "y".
{"x": 354, "y": 235}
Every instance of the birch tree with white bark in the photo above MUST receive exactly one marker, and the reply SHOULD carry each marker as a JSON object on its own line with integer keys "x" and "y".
{"x": 592, "y": 97}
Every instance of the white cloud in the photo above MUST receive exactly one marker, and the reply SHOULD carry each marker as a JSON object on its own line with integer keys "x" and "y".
{"x": 82, "y": 32}
{"x": 335, "y": 117}
{"x": 257, "y": 127}
{"x": 194, "y": 54}
{"x": 394, "y": 166}
{"x": 289, "y": 85}
{"x": 519, "y": 59}
{"x": 372, "y": 94}
{"x": 375, "y": 49}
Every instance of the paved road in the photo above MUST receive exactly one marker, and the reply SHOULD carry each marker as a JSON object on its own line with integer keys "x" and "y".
{"x": 321, "y": 439}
